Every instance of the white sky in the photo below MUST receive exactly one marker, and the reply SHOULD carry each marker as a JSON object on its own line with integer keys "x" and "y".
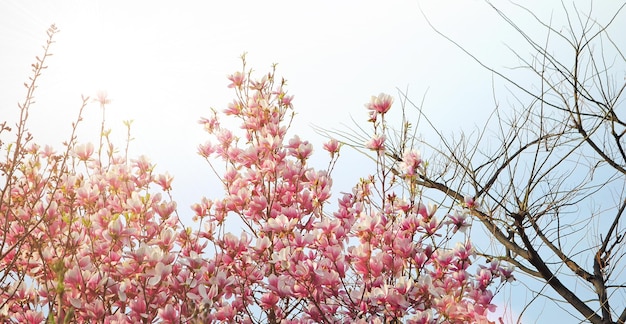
{"x": 165, "y": 63}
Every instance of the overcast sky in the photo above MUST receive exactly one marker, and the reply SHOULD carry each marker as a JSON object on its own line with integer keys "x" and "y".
{"x": 164, "y": 64}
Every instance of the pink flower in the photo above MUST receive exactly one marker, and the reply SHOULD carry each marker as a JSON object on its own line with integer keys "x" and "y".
{"x": 134, "y": 203}
{"x": 269, "y": 300}
{"x": 206, "y": 149}
{"x": 210, "y": 124}
{"x": 332, "y": 146}
{"x": 168, "y": 314}
{"x": 102, "y": 98}
{"x": 88, "y": 195}
{"x": 234, "y": 108}
{"x": 30, "y": 317}
{"x": 377, "y": 143}
{"x": 142, "y": 163}
{"x": 300, "y": 149}
{"x": 470, "y": 202}
{"x": 165, "y": 209}
{"x": 225, "y": 137}
{"x": 259, "y": 84}
{"x": 411, "y": 162}
{"x": 430, "y": 225}
{"x": 73, "y": 277}
{"x": 84, "y": 151}
{"x": 48, "y": 151}
{"x": 138, "y": 305}
{"x": 380, "y": 104}
{"x": 459, "y": 221}
{"x": 281, "y": 223}
{"x": 158, "y": 273}
{"x": 286, "y": 100}
{"x": 165, "y": 181}
{"x": 483, "y": 277}
{"x": 237, "y": 80}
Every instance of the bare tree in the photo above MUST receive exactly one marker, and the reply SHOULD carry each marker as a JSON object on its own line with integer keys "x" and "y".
{"x": 547, "y": 172}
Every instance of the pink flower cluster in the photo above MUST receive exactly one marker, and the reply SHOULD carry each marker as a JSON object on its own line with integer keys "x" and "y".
{"x": 86, "y": 241}
{"x": 88, "y": 245}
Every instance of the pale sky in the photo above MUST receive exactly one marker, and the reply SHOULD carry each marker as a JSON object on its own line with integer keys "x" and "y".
{"x": 164, "y": 64}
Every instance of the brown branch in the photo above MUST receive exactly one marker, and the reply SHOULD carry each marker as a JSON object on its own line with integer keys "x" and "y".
{"x": 578, "y": 270}
{"x": 487, "y": 220}
{"x": 622, "y": 317}
{"x": 535, "y": 259}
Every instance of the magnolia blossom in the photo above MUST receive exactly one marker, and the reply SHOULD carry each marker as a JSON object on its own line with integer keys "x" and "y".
{"x": 411, "y": 162}
{"x": 459, "y": 221}
{"x": 470, "y": 202}
{"x": 102, "y": 98}
{"x": 237, "y": 79}
{"x": 168, "y": 314}
{"x": 377, "y": 143}
{"x": 380, "y": 104}
{"x": 206, "y": 149}
{"x": 286, "y": 100}
{"x": 300, "y": 149}
{"x": 98, "y": 242}
{"x": 165, "y": 181}
{"x": 84, "y": 151}
{"x": 332, "y": 146}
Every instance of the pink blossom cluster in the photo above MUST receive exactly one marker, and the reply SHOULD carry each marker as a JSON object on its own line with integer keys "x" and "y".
{"x": 87, "y": 241}
{"x": 84, "y": 241}
{"x": 369, "y": 261}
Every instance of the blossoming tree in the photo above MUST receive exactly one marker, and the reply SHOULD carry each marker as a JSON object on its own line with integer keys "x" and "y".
{"x": 88, "y": 237}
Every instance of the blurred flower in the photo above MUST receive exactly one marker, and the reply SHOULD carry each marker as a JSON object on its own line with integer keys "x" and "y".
{"x": 332, "y": 146}
{"x": 411, "y": 161}
{"x": 237, "y": 80}
{"x": 168, "y": 314}
{"x": 286, "y": 100}
{"x": 206, "y": 149}
{"x": 165, "y": 181}
{"x": 470, "y": 203}
{"x": 300, "y": 149}
{"x": 377, "y": 143}
{"x": 380, "y": 104}
{"x": 158, "y": 273}
{"x": 84, "y": 151}
{"x": 458, "y": 221}
{"x": 102, "y": 98}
